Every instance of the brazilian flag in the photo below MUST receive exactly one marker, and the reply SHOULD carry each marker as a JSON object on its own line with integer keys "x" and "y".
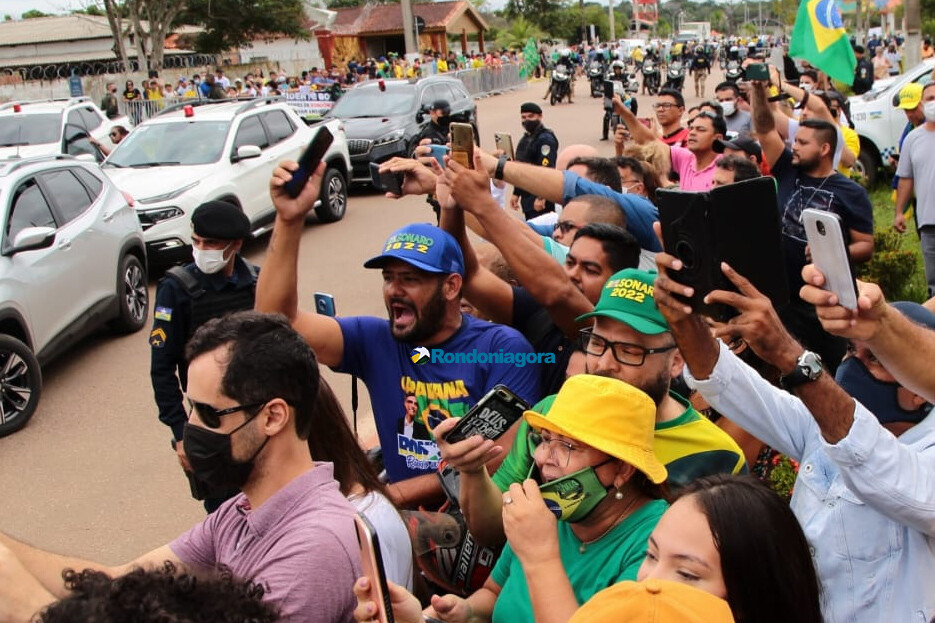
{"x": 820, "y": 38}
{"x": 530, "y": 58}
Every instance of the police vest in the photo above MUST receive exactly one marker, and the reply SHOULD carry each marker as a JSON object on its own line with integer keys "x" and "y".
{"x": 206, "y": 303}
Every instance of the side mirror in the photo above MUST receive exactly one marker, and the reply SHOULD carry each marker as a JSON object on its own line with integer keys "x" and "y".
{"x": 420, "y": 116}
{"x": 246, "y": 152}
{"x": 86, "y": 157}
{"x": 32, "y": 238}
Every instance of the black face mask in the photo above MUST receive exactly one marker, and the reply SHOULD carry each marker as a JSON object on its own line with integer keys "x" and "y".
{"x": 880, "y": 397}
{"x": 531, "y": 126}
{"x": 211, "y": 457}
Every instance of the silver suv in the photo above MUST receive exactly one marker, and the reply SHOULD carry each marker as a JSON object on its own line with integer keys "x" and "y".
{"x": 72, "y": 258}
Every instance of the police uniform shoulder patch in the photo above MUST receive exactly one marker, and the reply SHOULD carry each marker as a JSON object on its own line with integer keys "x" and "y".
{"x": 545, "y": 150}
{"x": 163, "y": 313}
{"x": 545, "y": 162}
{"x": 157, "y": 339}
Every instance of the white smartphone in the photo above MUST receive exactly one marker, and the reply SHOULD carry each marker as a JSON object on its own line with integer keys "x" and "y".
{"x": 829, "y": 254}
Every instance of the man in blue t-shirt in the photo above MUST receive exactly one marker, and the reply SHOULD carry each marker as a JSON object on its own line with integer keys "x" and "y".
{"x": 426, "y": 348}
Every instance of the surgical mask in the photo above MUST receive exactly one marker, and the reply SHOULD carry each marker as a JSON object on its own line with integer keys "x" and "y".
{"x": 572, "y": 498}
{"x": 210, "y": 261}
{"x": 928, "y": 109}
{"x": 212, "y": 460}
{"x": 729, "y": 107}
{"x": 807, "y": 87}
{"x": 880, "y": 397}
{"x": 531, "y": 125}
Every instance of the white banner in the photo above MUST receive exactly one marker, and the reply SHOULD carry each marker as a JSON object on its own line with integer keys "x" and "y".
{"x": 309, "y": 103}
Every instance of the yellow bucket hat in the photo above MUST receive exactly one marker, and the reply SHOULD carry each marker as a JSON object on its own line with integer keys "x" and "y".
{"x": 609, "y": 415}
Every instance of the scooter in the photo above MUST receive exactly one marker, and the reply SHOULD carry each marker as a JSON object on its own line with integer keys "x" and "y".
{"x": 650, "y": 76}
{"x": 596, "y": 76}
{"x": 675, "y": 76}
{"x": 560, "y": 87}
{"x": 734, "y": 72}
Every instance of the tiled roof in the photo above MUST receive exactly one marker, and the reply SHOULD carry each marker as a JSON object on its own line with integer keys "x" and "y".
{"x": 382, "y": 18}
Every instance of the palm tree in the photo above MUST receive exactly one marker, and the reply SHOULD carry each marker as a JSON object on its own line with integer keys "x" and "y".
{"x": 518, "y": 34}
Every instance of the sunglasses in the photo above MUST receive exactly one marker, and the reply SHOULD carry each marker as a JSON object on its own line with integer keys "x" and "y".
{"x": 212, "y": 417}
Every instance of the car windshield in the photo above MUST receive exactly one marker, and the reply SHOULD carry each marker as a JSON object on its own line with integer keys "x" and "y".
{"x": 373, "y": 103}
{"x": 19, "y": 129}
{"x": 167, "y": 144}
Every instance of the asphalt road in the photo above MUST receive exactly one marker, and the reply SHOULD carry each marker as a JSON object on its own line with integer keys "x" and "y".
{"x": 93, "y": 474}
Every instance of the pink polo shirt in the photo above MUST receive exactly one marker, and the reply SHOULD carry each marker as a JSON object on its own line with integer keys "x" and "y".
{"x": 683, "y": 163}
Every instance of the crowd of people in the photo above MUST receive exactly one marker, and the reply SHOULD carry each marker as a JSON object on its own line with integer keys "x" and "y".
{"x": 629, "y": 484}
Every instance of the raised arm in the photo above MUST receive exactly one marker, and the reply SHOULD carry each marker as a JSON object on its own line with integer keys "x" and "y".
{"x": 639, "y": 132}
{"x": 764, "y": 125}
{"x": 277, "y": 288}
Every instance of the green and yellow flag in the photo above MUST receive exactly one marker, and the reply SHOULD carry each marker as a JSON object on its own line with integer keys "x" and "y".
{"x": 820, "y": 38}
{"x": 530, "y": 58}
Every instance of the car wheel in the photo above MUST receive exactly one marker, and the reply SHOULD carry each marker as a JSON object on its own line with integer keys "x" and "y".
{"x": 20, "y": 384}
{"x": 132, "y": 296}
{"x": 333, "y": 197}
{"x": 865, "y": 169}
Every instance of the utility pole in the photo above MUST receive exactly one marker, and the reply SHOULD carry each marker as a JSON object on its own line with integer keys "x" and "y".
{"x": 913, "y": 17}
{"x": 613, "y": 34}
{"x": 409, "y": 26}
{"x": 584, "y": 27}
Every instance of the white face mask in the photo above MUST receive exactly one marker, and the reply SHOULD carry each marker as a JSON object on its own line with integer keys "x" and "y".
{"x": 807, "y": 86}
{"x": 730, "y": 107}
{"x": 928, "y": 109}
{"x": 210, "y": 262}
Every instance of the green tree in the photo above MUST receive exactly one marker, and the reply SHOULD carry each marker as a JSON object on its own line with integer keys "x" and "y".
{"x": 235, "y": 23}
{"x": 91, "y": 9}
{"x": 34, "y": 13}
{"x": 518, "y": 34}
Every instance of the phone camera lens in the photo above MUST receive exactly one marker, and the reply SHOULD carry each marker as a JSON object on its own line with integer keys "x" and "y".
{"x": 685, "y": 252}
{"x": 821, "y": 227}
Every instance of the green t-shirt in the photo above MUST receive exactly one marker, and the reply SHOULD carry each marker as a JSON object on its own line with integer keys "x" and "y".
{"x": 614, "y": 558}
{"x": 557, "y": 250}
{"x": 690, "y": 446}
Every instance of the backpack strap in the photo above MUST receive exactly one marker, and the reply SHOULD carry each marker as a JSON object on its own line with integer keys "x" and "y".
{"x": 184, "y": 278}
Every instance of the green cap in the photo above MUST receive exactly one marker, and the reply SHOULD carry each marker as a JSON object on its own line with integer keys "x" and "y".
{"x": 628, "y": 298}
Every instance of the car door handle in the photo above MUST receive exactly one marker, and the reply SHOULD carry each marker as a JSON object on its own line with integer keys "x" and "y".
{"x": 64, "y": 245}
{"x": 109, "y": 216}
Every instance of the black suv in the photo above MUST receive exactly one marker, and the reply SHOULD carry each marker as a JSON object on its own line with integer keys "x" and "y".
{"x": 382, "y": 123}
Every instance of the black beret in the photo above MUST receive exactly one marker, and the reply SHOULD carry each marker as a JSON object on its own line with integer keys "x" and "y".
{"x": 221, "y": 220}
{"x": 531, "y": 107}
{"x": 441, "y": 105}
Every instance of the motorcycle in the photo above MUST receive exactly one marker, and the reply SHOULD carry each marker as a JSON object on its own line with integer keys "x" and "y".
{"x": 675, "y": 76}
{"x": 626, "y": 88}
{"x": 734, "y": 72}
{"x": 560, "y": 87}
{"x": 650, "y": 76}
{"x": 596, "y": 76}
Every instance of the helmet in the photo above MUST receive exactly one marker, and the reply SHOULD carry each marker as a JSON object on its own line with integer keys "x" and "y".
{"x": 617, "y": 65}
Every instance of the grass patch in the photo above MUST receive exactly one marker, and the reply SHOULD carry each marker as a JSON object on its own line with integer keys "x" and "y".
{"x": 897, "y": 259}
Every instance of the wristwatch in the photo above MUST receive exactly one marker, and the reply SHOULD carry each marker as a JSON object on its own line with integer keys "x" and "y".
{"x": 807, "y": 369}
{"x": 501, "y": 161}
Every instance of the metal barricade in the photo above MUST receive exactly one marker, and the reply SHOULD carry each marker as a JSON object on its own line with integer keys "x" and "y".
{"x": 140, "y": 110}
{"x": 490, "y": 80}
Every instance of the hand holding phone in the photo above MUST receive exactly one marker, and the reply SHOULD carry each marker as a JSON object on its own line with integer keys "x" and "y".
{"x": 491, "y": 417}
{"x": 830, "y": 255}
{"x": 387, "y": 182}
{"x": 371, "y": 563}
{"x": 308, "y": 162}
{"x": 504, "y": 143}
{"x": 462, "y": 144}
{"x": 757, "y": 71}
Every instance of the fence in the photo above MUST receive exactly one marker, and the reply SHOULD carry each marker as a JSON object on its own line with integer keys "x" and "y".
{"x": 490, "y": 80}
{"x": 141, "y": 110}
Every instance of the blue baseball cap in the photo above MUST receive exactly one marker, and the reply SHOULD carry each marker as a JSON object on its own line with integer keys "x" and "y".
{"x": 424, "y": 246}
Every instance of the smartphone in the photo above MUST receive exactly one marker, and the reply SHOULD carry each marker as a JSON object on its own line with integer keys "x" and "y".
{"x": 829, "y": 253}
{"x": 324, "y": 304}
{"x": 387, "y": 182}
{"x": 608, "y": 89}
{"x": 439, "y": 152}
{"x": 504, "y": 143}
{"x": 309, "y": 161}
{"x": 757, "y": 71}
{"x": 371, "y": 563}
{"x": 462, "y": 144}
{"x": 492, "y": 416}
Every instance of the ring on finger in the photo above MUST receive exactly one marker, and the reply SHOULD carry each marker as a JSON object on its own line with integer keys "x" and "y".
{"x": 507, "y": 500}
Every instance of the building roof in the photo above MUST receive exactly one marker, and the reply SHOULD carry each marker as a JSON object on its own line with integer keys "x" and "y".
{"x": 73, "y": 27}
{"x": 388, "y": 18}
{"x": 76, "y": 57}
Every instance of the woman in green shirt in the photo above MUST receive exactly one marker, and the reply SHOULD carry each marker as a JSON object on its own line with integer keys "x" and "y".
{"x": 579, "y": 524}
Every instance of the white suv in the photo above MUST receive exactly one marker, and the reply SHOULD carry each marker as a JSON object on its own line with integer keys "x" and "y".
{"x": 879, "y": 122}
{"x": 55, "y": 126}
{"x": 217, "y": 150}
{"x": 72, "y": 257}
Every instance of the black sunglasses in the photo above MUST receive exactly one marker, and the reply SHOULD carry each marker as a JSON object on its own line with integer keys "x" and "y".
{"x": 212, "y": 417}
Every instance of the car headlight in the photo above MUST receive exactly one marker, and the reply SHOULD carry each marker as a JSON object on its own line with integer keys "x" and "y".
{"x": 148, "y": 218}
{"x": 392, "y": 137}
{"x": 170, "y": 195}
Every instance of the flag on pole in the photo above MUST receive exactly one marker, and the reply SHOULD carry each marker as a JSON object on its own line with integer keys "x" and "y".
{"x": 530, "y": 58}
{"x": 820, "y": 38}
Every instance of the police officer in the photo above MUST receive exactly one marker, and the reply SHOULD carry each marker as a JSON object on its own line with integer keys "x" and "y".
{"x": 437, "y": 129}
{"x": 538, "y": 146}
{"x": 700, "y": 68}
{"x": 217, "y": 282}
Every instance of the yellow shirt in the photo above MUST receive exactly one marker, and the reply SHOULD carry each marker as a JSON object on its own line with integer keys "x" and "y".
{"x": 852, "y": 142}
{"x": 442, "y": 65}
{"x": 154, "y": 94}
{"x": 398, "y": 71}
{"x": 637, "y": 55}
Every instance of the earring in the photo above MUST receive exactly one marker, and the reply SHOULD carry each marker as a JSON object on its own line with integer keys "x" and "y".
{"x": 618, "y": 495}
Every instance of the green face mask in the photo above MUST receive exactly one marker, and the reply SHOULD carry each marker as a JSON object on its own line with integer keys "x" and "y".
{"x": 573, "y": 497}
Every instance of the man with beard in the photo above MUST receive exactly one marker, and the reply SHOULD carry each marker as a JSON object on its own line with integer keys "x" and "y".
{"x": 423, "y": 271}
{"x": 629, "y": 341}
{"x": 252, "y": 384}
{"x": 806, "y": 179}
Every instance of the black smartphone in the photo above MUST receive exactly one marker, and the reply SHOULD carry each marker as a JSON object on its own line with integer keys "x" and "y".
{"x": 609, "y": 89}
{"x": 387, "y": 182}
{"x": 309, "y": 161}
{"x": 757, "y": 71}
{"x": 371, "y": 563}
{"x": 324, "y": 304}
{"x": 737, "y": 224}
{"x": 492, "y": 416}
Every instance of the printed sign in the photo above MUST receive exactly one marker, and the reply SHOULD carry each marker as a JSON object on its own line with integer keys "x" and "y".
{"x": 310, "y": 103}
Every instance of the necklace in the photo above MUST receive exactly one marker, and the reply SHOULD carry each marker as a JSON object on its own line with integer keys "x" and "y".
{"x": 584, "y": 544}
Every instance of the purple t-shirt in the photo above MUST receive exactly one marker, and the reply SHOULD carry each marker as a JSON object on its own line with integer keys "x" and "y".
{"x": 683, "y": 163}
{"x": 301, "y": 544}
